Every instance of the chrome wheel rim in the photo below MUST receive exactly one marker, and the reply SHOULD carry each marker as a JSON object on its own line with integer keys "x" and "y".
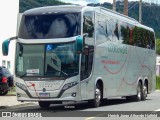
{"x": 139, "y": 92}
{"x": 98, "y": 96}
{"x": 145, "y": 91}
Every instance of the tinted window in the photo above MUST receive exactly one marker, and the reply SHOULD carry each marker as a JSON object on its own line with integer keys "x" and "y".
{"x": 101, "y": 29}
{"x": 54, "y": 60}
{"x": 143, "y": 38}
{"x": 88, "y": 24}
{"x": 137, "y": 36}
{"x": 113, "y": 30}
{"x": 50, "y": 26}
{"x": 126, "y": 33}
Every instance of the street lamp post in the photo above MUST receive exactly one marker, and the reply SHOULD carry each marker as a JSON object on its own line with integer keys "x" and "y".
{"x": 126, "y": 7}
{"x": 140, "y": 11}
{"x": 114, "y": 5}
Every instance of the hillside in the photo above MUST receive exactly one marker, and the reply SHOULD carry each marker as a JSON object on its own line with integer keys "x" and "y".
{"x": 28, "y": 4}
{"x": 150, "y": 14}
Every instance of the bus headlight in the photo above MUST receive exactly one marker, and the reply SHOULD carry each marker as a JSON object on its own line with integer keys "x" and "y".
{"x": 69, "y": 85}
{"x": 21, "y": 86}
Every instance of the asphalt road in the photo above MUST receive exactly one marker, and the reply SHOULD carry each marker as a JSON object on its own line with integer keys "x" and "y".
{"x": 112, "y": 108}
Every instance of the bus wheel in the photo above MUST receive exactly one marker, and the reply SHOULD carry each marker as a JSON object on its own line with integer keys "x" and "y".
{"x": 144, "y": 94}
{"x": 97, "y": 97}
{"x": 138, "y": 97}
{"x": 44, "y": 104}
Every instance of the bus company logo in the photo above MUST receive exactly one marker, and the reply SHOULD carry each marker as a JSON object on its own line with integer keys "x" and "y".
{"x": 49, "y": 84}
{"x": 14, "y": 114}
{"x": 6, "y": 114}
{"x": 117, "y": 49}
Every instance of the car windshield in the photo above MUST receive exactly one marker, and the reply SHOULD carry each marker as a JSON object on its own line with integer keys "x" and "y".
{"x": 55, "y": 60}
{"x": 47, "y": 26}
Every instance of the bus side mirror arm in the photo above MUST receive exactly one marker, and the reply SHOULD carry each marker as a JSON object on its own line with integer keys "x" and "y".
{"x": 13, "y": 38}
{"x": 80, "y": 42}
{"x": 85, "y": 35}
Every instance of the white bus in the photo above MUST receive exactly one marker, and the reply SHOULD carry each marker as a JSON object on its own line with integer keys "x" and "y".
{"x": 81, "y": 53}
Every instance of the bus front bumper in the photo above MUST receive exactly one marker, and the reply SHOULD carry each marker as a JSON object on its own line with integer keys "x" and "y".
{"x": 57, "y": 95}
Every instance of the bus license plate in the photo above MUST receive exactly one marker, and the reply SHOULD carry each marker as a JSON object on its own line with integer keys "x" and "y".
{"x": 44, "y": 95}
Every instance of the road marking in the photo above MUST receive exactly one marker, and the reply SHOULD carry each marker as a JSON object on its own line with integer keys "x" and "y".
{"x": 89, "y": 118}
{"x": 157, "y": 110}
{"x": 99, "y": 115}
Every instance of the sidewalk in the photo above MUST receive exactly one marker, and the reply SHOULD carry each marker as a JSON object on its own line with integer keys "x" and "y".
{"x": 11, "y": 101}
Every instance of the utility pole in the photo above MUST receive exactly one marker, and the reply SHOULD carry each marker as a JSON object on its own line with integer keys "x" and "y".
{"x": 125, "y": 7}
{"x": 114, "y": 5}
{"x": 140, "y": 11}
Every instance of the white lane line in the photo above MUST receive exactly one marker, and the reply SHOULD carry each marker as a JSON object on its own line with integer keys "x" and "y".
{"x": 157, "y": 110}
{"x": 89, "y": 118}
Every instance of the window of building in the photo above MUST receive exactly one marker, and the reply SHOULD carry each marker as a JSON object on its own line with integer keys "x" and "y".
{"x": 3, "y": 63}
{"x": 8, "y": 64}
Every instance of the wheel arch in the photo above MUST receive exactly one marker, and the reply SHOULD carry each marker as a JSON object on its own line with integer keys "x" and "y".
{"x": 146, "y": 81}
{"x": 140, "y": 80}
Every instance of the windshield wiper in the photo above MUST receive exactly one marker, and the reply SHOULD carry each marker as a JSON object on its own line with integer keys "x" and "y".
{"x": 21, "y": 76}
{"x": 64, "y": 73}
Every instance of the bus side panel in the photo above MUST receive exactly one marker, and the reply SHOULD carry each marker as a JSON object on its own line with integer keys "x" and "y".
{"x": 111, "y": 66}
{"x": 121, "y": 66}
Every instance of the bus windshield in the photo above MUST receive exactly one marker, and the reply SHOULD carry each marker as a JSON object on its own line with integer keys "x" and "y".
{"x": 47, "y": 26}
{"x": 53, "y": 60}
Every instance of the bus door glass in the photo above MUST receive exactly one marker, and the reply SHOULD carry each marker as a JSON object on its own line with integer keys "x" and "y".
{"x": 87, "y": 54}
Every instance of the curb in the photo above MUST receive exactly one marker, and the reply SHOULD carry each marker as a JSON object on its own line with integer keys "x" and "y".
{"x": 18, "y": 106}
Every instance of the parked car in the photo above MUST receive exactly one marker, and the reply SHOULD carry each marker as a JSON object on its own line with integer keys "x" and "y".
{"x": 6, "y": 80}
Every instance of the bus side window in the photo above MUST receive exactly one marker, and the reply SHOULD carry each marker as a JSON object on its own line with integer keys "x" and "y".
{"x": 88, "y": 24}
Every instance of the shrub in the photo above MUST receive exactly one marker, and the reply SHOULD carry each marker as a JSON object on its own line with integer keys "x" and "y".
{"x": 157, "y": 82}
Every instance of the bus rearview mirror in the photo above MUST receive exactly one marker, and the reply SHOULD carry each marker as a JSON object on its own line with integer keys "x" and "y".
{"x": 79, "y": 44}
{"x": 5, "y": 47}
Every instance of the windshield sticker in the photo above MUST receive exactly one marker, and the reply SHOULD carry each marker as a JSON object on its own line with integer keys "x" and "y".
{"x": 33, "y": 71}
{"x": 49, "y": 47}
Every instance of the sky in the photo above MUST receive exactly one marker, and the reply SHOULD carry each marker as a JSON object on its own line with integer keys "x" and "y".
{"x": 84, "y": 2}
{"x": 8, "y": 23}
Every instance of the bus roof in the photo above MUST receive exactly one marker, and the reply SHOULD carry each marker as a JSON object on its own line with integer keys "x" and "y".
{"x": 54, "y": 9}
{"x": 79, "y": 8}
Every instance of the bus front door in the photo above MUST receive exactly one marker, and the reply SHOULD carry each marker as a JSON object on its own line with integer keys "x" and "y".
{"x": 86, "y": 69}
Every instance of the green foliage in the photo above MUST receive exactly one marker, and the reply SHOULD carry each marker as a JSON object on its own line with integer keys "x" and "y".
{"x": 29, "y": 4}
{"x": 12, "y": 92}
{"x": 158, "y": 46}
{"x": 157, "y": 82}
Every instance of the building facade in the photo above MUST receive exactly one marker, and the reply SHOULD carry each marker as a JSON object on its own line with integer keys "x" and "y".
{"x": 9, "y": 10}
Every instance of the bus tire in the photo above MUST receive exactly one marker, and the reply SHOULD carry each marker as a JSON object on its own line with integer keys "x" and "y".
{"x": 97, "y": 97}
{"x": 144, "y": 93}
{"x": 44, "y": 104}
{"x": 138, "y": 96}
